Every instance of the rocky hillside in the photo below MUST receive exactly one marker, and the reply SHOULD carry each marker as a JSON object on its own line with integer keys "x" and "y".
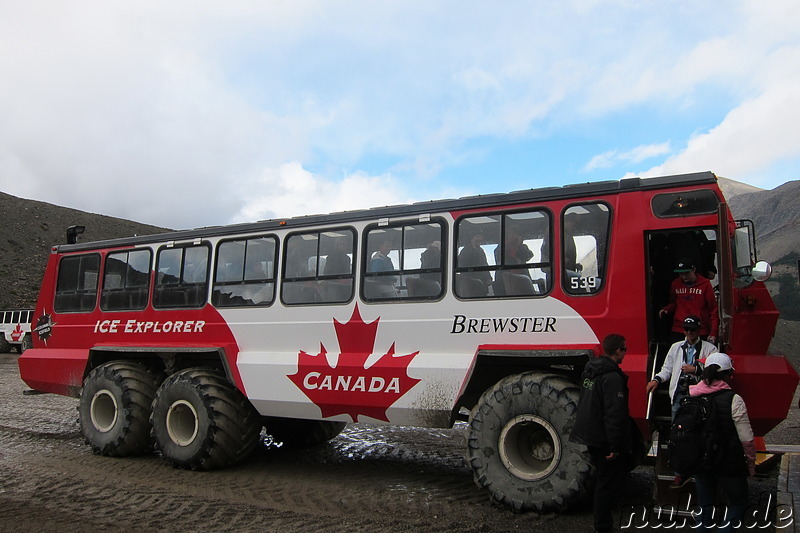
{"x": 27, "y": 231}
{"x": 776, "y": 215}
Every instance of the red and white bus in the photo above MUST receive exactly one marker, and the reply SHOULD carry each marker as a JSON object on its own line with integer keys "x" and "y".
{"x": 481, "y": 309}
{"x": 15, "y": 329}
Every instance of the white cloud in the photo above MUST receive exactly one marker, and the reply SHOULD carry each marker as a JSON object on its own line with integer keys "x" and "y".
{"x": 170, "y": 112}
{"x": 636, "y": 155}
{"x": 756, "y": 136}
{"x": 290, "y": 190}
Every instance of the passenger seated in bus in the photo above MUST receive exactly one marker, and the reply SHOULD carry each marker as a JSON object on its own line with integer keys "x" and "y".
{"x": 381, "y": 262}
{"x": 428, "y": 283}
{"x": 338, "y": 262}
{"x": 432, "y": 256}
{"x": 296, "y": 265}
{"x": 473, "y": 255}
{"x": 381, "y": 286}
{"x": 516, "y": 253}
{"x": 300, "y": 286}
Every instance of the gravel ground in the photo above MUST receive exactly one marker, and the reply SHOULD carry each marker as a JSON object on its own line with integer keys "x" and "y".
{"x": 369, "y": 479}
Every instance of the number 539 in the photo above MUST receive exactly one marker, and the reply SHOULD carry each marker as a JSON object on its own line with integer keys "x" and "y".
{"x": 587, "y": 283}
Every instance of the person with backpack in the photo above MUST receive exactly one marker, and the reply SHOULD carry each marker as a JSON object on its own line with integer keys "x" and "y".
{"x": 682, "y": 367}
{"x": 603, "y": 424}
{"x": 732, "y": 456}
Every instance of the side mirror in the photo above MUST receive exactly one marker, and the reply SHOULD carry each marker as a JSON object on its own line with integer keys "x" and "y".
{"x": 73, "y": 232}
{"x": 761, "y": 271}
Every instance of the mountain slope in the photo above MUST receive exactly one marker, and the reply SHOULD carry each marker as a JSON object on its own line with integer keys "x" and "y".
{"x": 776, "y": 215}
{"x": 28, "y": 229}
{"x": 731, "y": 188}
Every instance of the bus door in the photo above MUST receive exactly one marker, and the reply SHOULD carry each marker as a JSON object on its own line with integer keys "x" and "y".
{"x": 726, "y": 274}
{"x": 664, "y": 249}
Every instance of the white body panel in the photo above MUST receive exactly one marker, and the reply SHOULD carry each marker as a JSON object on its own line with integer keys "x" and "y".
{"x": 447, "y": 335}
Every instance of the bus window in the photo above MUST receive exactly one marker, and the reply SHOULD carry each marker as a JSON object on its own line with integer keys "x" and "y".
{"x": 126, "y": 282}
{"x": 245, "y": 273}
{"x": 503, "y": 255}
{"x": 477, "y": 238}
{"x": 404, "y": 262}
{"x": 182, "y": 277}
{"x": 585, "y": 241}
{"x": 683, "y": 204}
{"x": 319, "y": 267}
{"x": 76, "y": 288}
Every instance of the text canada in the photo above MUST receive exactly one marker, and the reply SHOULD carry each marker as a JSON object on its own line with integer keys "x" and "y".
{"x": 316, "y": 380}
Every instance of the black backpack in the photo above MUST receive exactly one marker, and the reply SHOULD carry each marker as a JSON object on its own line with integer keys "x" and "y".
{"x": 694, "y": 438}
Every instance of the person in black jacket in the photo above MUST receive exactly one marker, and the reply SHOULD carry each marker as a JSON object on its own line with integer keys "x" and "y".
{"x": 602, "y": 423}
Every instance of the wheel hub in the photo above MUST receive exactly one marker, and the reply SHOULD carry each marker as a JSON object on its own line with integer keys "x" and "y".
{"x": 530, "y": 447}
{"x": 103, "y": 411}
{"x": 182, "y": 423}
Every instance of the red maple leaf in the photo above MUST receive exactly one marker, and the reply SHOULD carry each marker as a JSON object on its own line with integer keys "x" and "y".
{"x": 350, "y": 388}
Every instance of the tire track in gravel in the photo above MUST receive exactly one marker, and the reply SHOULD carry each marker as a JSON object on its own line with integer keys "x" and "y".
{"x": 369, "y": 479}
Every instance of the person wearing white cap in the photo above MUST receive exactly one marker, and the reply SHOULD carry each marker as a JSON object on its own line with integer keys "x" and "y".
{"x": 682, "y": 365}
{"x": 737, "y": 452}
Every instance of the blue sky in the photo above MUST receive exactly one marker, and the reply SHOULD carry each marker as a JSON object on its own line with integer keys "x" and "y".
{"x": 186, "y": 114}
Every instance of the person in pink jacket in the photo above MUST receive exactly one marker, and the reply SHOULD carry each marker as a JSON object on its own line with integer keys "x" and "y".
{"x": 737, "y": 453}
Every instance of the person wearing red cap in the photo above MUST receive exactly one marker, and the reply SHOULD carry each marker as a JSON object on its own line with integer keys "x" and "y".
{"x": 692, "y": 294}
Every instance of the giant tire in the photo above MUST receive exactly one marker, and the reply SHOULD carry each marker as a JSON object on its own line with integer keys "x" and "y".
{"x": 5, "y": 346}
{"x": 299, "y": 433}
{"x": 518, "y": 443}
{"x": 114, "y": 408}
{"x": 201, "y": 421}
{"x": 27, "y": 343}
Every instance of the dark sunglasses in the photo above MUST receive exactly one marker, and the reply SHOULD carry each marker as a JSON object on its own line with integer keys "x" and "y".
{"x": 624, "y": 348}
{"x": 690, "y": 329}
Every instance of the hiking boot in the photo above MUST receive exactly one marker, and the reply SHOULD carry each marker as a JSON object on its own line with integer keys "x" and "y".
{"x": 679, "y": 481}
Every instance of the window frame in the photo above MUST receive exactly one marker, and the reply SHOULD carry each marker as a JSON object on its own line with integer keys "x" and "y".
{"x": 244, "y": 281}
{"x": 196, "y": 293}
{"x": 546, "y": 266}
{"x": 582, "y": 288}
{"x": 678, "y": 204}
{"x": 106, "y": 294}
{"x": 323, "y": 289}
{"x": 404, "y": 274}
{"x": 80, "y": 293}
